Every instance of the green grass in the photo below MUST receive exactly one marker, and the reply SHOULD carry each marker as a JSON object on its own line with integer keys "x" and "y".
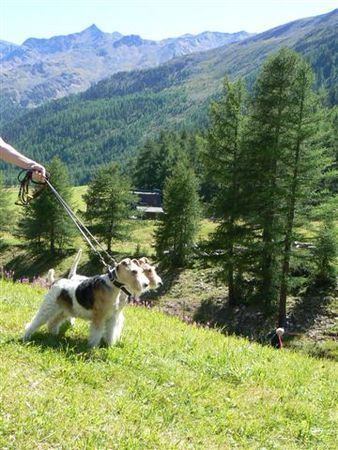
{"x": 320, "y": 349}
{"x": 77, "y": 197}
{"x": 167, "y": 385}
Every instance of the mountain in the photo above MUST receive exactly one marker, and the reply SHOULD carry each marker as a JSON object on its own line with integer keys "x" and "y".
{"x": 6, "y": 48}
{"x": 45, "y": 69}
{"x": 113, "y": 117}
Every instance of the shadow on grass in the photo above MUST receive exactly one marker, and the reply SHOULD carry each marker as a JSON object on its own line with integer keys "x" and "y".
{"x": 169, "y": 278}
{"x": 314, "y": 303}
{"x": 243, "y": 320}
{"x": 69, "y": 346}
{"x": 29, "y": 262}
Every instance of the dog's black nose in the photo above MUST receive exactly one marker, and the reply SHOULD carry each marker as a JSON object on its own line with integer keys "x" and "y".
{"x": 145, "y": 285}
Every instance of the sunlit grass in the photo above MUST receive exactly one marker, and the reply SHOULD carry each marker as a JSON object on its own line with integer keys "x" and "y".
{"x": 167, "y": 385}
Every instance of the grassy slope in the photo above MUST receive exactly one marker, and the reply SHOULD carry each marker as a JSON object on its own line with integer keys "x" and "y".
{"x": 185, "y": 291}
{"x": 167, "y": 385}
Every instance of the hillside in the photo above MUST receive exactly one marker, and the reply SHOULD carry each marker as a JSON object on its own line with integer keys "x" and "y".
{"x": 44, "y": 69}
{"x": 167, "y": 385}
{"x": 111, "y": 119}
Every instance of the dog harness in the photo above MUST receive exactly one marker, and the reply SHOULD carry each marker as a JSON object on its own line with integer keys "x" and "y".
{"x": 112, "y": 277}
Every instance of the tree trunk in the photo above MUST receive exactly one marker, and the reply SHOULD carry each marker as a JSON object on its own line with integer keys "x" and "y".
{"x": 231, "y": 283}
{"x": 289, "y": 225}
{"x": 268, "y": 257}
{"x": 52, "y": 239}
{"x": 230, "y": 268}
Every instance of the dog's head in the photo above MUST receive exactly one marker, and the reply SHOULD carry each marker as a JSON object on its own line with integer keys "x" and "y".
{"x": 149, "y": 271}
{"x": 129, "y": 272}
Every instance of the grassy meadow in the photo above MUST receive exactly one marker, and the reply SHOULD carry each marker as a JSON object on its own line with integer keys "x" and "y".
{"x": 167, "y": 385}
{"x": 185, "y": 292}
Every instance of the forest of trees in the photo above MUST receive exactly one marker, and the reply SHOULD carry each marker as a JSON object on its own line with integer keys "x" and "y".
{"x": 264, "y": 167}
{"x": 267, "y": 166}
{"x": 114, "y": 117}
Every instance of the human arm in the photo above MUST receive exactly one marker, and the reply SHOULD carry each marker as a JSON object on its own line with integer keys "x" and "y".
{"x": 12, "y": 156}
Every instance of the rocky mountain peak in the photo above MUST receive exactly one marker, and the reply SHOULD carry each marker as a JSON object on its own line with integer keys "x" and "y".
{"x": 129, "y": 41}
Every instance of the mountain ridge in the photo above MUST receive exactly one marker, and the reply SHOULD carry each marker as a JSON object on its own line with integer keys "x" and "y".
{"x": 72, "y": 63}
{"x": 111, "y": 119}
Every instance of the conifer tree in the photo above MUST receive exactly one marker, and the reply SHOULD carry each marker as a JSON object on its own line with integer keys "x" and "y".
{"x": 177, "y": 230}
{"x": 109, "y": 202}
{"x": 303, "y": 169}
{"x": 326, "y": 252}
{"x": 6, "y": 217}
{"x": 267, "y": 139}
{"x": 156, "y": 161}
{"x": 281, "y": 167}
{"x": 222, "y": 165}
{"x": 45, "y": 221}
{"x": 146, "y": 168}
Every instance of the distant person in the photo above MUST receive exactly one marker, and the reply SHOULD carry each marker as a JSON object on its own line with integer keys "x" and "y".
{"x": 276, "y": 339}
{"x": 12, "y": 156}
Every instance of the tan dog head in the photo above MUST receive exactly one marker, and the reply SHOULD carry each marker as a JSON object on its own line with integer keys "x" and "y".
{"x": 131, "y": 274}
{"x": 150, "y": 272}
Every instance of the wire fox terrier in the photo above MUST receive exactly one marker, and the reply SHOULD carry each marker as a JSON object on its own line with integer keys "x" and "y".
{"x": 149, "y": 271}
{"x": 97, "y": 299}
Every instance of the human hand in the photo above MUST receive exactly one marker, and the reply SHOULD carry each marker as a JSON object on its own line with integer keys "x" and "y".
{"x": 38, "y": 172}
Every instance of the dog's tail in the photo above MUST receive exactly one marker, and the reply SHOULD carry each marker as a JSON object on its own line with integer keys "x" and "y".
{"x": 50, "y": 277}
{"x": 73, "y": 269}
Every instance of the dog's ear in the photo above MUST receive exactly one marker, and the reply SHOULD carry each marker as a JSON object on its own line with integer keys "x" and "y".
{"x": 144, "y": 260}
{"x": 136, "y": 261}
{"x": 126, "y": 262}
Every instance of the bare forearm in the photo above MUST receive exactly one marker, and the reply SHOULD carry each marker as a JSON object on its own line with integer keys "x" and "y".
{"x": 12, "y": 156}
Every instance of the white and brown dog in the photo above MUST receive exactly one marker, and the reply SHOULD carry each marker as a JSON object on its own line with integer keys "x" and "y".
{"x": 98, "y": 299}
{"x": 149, "y": 271}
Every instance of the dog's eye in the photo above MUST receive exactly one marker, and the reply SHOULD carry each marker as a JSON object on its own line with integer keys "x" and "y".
{"x": 134, "y": 272}
{"x": 148, "y": 270}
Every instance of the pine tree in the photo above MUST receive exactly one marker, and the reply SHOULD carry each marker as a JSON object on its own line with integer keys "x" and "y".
{"x": 6, "y": 217}
{"x": 109, "y": 202}
{"x": 266, "y": 141}
{"x": 147, "y": 164}
{"x": 156, "y": 160}
{"x": 222, "y": 161}
{"x": 278, "y": 167}
{"x": 305, "y": 162}
{"x": 45, "y": 221}
{"x": 327, "y": 251}
{"x": 266, "y": 133}
{"x": 177, "y": 230}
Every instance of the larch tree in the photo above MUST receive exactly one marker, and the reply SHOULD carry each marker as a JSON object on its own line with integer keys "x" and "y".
{"x": 222, "y": 167}
{"x": 177, "y": 231}
{"x": 109, "y": 204}
{"x": 5, "y": 212}
{"x": 45, "y": 222}
{"x": 279, "y": 164}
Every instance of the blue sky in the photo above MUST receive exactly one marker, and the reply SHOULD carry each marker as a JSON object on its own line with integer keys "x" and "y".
{"x": 152, "y": 19}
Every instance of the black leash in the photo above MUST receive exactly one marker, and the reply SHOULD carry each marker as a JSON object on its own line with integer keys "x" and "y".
{"x": 24, "y": 197}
